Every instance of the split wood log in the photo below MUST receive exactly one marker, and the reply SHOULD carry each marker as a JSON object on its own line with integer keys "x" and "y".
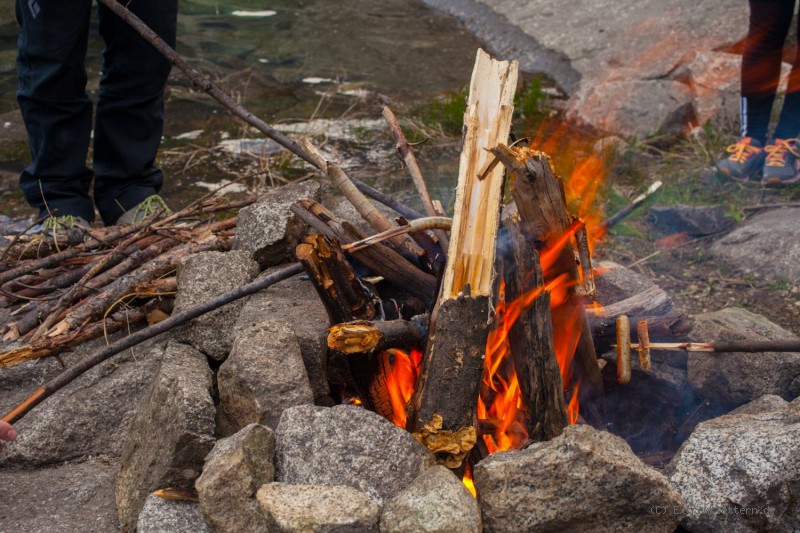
{"x": 453, "y": 362}
{"x": 365, "y": 337}
{"x": 531, "y": 339}
{"x": 380, "y": 259}
{"x": 540, "y": 199}
{"x": 63, "y": 379}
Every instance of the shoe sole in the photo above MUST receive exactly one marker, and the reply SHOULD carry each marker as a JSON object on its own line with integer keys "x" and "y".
{"x": 778, "y": 182}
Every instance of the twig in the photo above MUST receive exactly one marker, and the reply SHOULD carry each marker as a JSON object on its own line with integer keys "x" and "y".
{"x": 420, "y": 224}
{"x": 148, "y": 333}
{"x": 630, "y": 208}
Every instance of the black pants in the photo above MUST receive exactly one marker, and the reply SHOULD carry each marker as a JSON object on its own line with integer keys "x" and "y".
{"x": 761, "y": 70}
{"x": 57, "y": 111}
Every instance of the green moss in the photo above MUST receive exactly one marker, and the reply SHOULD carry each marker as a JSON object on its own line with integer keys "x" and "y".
{"x": 447, "y": 111}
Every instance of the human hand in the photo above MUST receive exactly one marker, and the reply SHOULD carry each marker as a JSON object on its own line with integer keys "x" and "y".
{"x": 7, "y": 432}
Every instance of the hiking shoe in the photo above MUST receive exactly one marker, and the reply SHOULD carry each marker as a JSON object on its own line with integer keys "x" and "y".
{"x": 145, "y": 209}
{"x": 780, "y": 167}
{"x": 745, "y": 161}
{"x": 66, "y": 222}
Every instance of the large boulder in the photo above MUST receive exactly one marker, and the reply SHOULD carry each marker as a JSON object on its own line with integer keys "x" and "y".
{"x": 737, "y": 378}
{"x": 741, "y": 472}
{"x": 766, "y": 246}
{"x": 233, "y": 472}
{"x": 171, "y": 434}
{"x": 263, "y": 376}
{"x": 161, "y": 516}
{"x": 582, "y": 480}
{"x": 202, "y": 277}
{"x": 268, "y": 230}
{"x": 72, "y": 496}
{"x": 436, "y": 502}
{"x": 616, "y": 283}
{"x": 636, "y": 52}
{"x": 91, "y": 416}
{"x": 317, "y": 509}
{"x": 346, "y": 445}
{"x": 295, "y": 304}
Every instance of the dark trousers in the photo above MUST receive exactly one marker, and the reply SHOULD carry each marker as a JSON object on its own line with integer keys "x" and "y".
{"x": 761, "y": 71}
{"x": 129, "y": 118}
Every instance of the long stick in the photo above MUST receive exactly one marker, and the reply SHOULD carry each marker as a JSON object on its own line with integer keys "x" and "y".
{"x": 148, "y": 333}
{"x": 726, "y": 347}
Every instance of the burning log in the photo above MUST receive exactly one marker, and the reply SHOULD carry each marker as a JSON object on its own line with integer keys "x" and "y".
{"x": 365, "y": 337}
{"x": 453, "y": 362}
{"x": 531, "y": 339}
{"x": 540, "y": 199}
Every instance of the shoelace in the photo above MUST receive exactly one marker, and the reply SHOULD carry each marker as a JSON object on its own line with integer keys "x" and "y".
{"x": 776, "y": 153}
{"x": 150, "y": 205}
{"x": 742, "y": 151}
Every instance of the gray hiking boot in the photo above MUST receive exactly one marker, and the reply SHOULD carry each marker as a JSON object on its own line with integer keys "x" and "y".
{"x": 781, "y": 166}
{"x": 745, "y": 161}
{"x": 145, "y": 209}
{"x": 66, "y": 222}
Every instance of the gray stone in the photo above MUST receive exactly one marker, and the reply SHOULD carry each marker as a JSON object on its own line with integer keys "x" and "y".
{"x": 346, "y": 445}
{"x": 737, "y": 378}
{"x": 171, "y": 434}
{"x": 347, "y": 211}
{"x": 268, "y": 230}
{"x": 741, "y": 472}
{"x": 233, "y": 472}
{"x": 170, "y": 516}
{"x": 582, "y": 46}
{"x": 436, "y": 502}
{"x": 202, "y": 277}
{"x": 294, "y": 303}
{"x": 582, "y": 480}
{"x": 63, "y": 498}
{"x": 766, "y": 245}
{"x": 616, "y": 282}
{"x": 694, "y": 220}
{"x": 634, "y": 107}
{"x": 317, "y": 509}
{"x": 263, "y": 376}
{"x": 90, "y": 416}
{"x": 764, "y": 404}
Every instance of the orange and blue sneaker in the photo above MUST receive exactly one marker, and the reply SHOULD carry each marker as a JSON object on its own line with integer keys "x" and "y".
{"x": 745, "y": 161}
{"x": 781, "y": 166}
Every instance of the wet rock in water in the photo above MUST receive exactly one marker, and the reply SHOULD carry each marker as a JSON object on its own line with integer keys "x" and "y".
{"x": 318, "y": 509}
{"x": 263, "y": 376}
{"x": 233, "y": 472}
{"x": 741, "y": 472}
{"x": 159, "y": 516}
{"x": 616, "y": 282}
{"x": 202, "y": 277}
{"x": 295, "y": 304}
{"x": 766, "y": 246}
{"x": 347, "y": 445}
{"x": 648, "y": 107}
{"x": 693, "y": 220}
{"x": 582, "y": 480}
{"x": 736, "y": 378}
{"x": 436, "y": 502}
{"x": 60, "y": 498}
{"x": 268, "y": 230}
{"x": 90, "y": 416}
{"x": 171, "y": 434}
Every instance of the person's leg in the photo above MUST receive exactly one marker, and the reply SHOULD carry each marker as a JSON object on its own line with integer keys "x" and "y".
{"x": 789, "y": 122}
{"x": 130, "y": 110}
{"x": 761, "y": 63}
{"x": 54, "y": 105}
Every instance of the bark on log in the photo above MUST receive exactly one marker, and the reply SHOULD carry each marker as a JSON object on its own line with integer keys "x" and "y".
{"x": 531, "y": 340}
{"x": 540, "y": 199}
{"x": 453, "y": 362}
{"x": 380, "y": 259}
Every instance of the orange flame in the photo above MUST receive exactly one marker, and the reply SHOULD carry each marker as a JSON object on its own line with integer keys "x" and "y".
{"x": 401, "y": 381}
